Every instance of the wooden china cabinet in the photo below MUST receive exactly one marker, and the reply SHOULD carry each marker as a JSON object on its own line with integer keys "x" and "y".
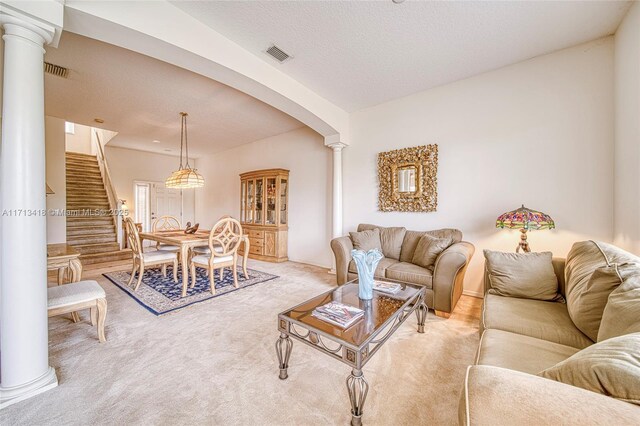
{"x": 264, "y": 213}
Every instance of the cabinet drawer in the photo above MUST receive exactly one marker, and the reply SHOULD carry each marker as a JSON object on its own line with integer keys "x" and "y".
{"x": 255, "y": 242}
{"x": 255, "y": 249}
{"x": 252, "y": 233}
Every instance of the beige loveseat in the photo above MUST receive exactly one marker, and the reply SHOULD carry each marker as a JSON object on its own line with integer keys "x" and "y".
{"x": 443, "y": 281}
{"x": 521, "y": 338}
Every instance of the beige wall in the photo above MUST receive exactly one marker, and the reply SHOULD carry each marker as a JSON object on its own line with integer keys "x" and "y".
{"x": 539, "y": 132}
{"x": 303, "y": 153}
{"x": 80, "y": 141}
{"x": 627, "y": 132}
{"x": 127, "y": 166}
{"x": 56, "y": 178}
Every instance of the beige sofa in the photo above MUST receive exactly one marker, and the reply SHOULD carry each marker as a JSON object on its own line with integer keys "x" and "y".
{"x": 443, "y": 281}
{"x": 522, "y": 337}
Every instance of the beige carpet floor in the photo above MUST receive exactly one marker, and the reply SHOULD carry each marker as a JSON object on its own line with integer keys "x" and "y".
{"x": 215, "y": 363}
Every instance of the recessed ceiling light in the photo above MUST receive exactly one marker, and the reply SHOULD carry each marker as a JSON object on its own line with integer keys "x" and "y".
{"x": 98, "y": 120}
{"x": 155, "y": 141}
{"x": 398, "y": 1}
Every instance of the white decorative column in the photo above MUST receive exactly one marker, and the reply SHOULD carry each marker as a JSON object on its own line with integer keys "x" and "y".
{"x": 337, "y": 189}
{"x": 24, "y": 350}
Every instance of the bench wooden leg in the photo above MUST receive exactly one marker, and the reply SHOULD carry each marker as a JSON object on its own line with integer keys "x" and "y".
{"x": 94, "y": 316}
{"x": 101, "y": 307}
{"x": 75, "y": 317}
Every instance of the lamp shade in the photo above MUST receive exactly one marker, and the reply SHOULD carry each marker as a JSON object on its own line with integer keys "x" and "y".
{"x": 185, "y": 178}
{"x": 524, "y": 218}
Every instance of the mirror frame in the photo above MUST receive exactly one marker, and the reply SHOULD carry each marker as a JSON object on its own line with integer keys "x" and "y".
{"x": 425, "y": 199}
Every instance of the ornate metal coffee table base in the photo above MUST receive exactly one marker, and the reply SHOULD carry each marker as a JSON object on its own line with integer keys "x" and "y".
{"x": 354, "y": 354}
{"x": 358, "y": 389}
{"x": 283, "y": 348}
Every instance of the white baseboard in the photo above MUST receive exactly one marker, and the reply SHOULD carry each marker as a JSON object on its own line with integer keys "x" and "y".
{"x": 307, "y": 262}
{"x": 473, "y": 294}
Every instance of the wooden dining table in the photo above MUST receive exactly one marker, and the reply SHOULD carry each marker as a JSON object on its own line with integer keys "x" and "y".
{"x": 186, "y": 242}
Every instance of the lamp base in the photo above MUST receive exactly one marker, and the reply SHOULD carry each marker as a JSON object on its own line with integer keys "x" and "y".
{"x": 524, "y": 245}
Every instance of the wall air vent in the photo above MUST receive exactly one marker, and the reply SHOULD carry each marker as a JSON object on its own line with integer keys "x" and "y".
{"x": 57, "y": 70}
{"x": 277, "y": 53}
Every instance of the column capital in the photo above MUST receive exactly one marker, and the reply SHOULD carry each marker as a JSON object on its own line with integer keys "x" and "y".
{"x": 42, "y": 18}
{"x": 334, "y": 142}
{"x": 337, "y": 146}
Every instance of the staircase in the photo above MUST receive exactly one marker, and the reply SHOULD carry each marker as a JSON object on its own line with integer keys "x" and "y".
{"x": 94, "y": 236}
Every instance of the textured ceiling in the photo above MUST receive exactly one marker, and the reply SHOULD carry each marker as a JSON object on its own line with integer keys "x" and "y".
{"x": 140, "y": 98}
{"x": 361, "y": 53}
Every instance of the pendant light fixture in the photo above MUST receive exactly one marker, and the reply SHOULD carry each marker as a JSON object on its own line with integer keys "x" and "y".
{"x": 184, "y": 177}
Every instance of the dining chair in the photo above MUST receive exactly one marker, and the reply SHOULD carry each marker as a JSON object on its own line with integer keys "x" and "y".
{"x": 224, "y": 239}
{"x": 166, "y": 223}
{"x": 152, "y": 258}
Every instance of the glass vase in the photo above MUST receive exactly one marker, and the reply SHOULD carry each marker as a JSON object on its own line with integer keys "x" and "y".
{"x": 366, "y": 262}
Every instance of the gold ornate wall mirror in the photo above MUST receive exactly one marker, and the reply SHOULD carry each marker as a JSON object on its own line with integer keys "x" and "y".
{"x": 407, "y": 179}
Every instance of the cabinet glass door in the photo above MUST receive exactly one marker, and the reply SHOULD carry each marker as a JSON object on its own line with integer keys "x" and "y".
{"x": 250, "y": 201}
{"x": 283, "y": 201}
{"x": 243, "y": 202}
{"x": 259, "y": 200}
{"x": 271, "y": 202}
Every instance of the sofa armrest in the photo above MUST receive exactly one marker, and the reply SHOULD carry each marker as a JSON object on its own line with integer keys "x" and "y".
{"x": 342, "y": 247}
{"x": 448, "y": 275}
{"x": 493, "y": 396}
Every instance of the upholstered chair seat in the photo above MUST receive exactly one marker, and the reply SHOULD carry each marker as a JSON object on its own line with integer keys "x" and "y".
{"x": 206, "y": 250}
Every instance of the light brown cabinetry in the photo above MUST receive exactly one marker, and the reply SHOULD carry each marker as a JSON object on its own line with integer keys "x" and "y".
{"x": 264, "y": 213}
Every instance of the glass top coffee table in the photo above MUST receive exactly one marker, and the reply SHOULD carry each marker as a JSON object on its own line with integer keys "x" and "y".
{"x": 355, "y": 345}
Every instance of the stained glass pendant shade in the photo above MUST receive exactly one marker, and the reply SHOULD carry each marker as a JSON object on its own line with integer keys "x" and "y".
{"x": 525, "y": 219}
{"x": 185, "y": 176}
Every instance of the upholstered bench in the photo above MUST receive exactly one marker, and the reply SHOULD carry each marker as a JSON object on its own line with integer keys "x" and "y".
{"x": 76, "y": 296}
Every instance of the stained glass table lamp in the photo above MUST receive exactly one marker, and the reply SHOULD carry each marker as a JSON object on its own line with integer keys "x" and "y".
{"x": 524, "y": 219}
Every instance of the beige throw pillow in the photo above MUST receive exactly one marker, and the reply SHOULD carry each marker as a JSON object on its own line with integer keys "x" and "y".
{"x": 391, "y": 240}
{"x": 366, "y": 240}
{"x": 428, "y": 250}
{"x": 525, "y": 275}
{"x": 611, "y": 368}
{"x": 589, "y": 303}
{"x": 622, "y": 313}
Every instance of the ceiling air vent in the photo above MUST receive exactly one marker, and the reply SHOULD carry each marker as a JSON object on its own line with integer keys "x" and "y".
{"x": 56, "y": 70}
{"x": 277, "y": 53}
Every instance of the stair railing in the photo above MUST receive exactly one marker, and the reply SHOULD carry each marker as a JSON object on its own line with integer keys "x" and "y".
{"x": 114, "y": 202}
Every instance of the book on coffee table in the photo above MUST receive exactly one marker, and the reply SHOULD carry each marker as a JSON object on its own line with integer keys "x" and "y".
{"x": 338, "y": 314}
{"x": 386, "y": 287}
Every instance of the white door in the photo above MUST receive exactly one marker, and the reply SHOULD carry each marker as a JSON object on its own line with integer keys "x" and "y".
{"x": 153, "y": 200}
{"x": 165, "y": 202}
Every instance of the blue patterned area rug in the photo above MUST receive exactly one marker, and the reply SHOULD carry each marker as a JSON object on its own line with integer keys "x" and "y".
{"x": 161, "y": 295}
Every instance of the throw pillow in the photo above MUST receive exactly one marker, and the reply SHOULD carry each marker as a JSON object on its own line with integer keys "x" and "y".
{"x": 622, "y": 313}
{"x": 412, "y": 238}
{"x": 588, "y": 304}
{"x": 611, "y": 368}
{"x": 366, "y": 240}
{"x": 525, "y": 275}
{"x": 391, "y": 240}
{"x": 428, "y": 250}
